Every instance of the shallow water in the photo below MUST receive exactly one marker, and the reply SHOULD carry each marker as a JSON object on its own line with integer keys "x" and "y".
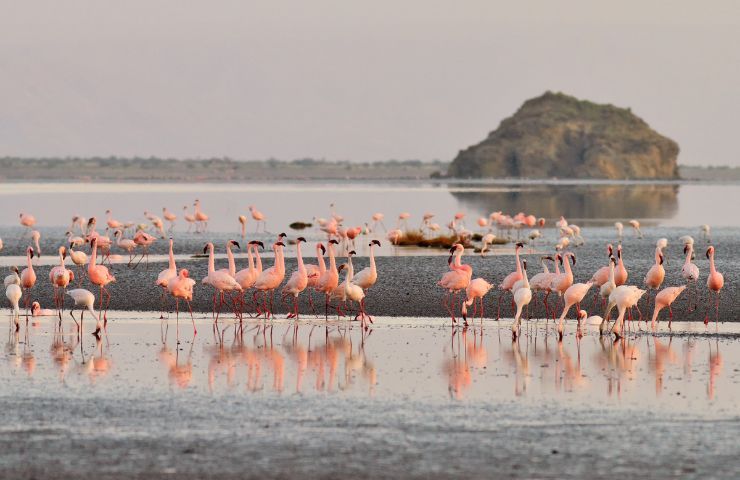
{"x": 412, "y": 397}
{"x": 586, "y": 203}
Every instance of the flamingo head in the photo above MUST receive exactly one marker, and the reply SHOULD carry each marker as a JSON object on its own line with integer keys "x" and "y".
{"x": 184, "y": 273}
{"x": 374, "y": 242}
{"x": 300, "y": 239}
{"x": 619, "y": 251}
{"x": 30, "y": 252}
{"x": 235, "y": 243}
{"x": 710, "y": 251}
{"x": 333, "y": 242}
{"x": 548, "y": 257}
{"x": 280, "y": 243}
{"x": 609, "y": 250}
{"x": 524, "y": 265}
{"x": 660, "y": 256}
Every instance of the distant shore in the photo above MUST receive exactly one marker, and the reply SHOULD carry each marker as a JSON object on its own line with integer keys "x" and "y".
{"x": 114, "y": 169}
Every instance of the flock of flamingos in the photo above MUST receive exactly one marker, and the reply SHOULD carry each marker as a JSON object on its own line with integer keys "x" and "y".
{"x": 230, "y": 285}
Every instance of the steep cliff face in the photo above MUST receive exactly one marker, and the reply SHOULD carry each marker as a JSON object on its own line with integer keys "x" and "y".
{"x": 556, "y": 135}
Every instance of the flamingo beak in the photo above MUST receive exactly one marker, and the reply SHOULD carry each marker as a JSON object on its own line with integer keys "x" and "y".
{"x": 352, "y": 253}
{"x": 323, "y": 249}
{"x": 685, "y": 249}
{"x": 301, "y": 239}
{"x": 661, "y": 259}
{"x": 261, "y": 245}
{"x": 205, "y": 249}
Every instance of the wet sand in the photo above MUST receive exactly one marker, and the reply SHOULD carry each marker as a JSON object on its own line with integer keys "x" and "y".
{"x": 413, "y": 398}
{"x": 407, "y": 277}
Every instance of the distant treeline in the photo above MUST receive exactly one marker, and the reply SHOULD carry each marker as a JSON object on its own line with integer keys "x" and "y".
{"x": 208, "y": 169}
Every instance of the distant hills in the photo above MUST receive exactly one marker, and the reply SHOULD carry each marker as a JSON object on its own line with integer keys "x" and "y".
{"x": 559, "y": 136}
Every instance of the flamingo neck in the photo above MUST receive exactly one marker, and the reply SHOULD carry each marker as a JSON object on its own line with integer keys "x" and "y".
{"x": 320, "y": 260}
{"x": 611, "y": 272}
{"x": 281, "y": 263}
{"x": 332, "y": 261}
{"x": 258, "y": 259}
{"x": 230, "y": 255}
{"x": 172, "y": 257}
{"x": 93, "y": 257}
{"x": 301, "y": 266}
{"x": 350, "y": 271}
{"x": 689, "y": 251}
{"x": 657, "y": 256}
{"x": 211, "y": 265}
{"x": 518, "y": 263}
{"x": 712, "y": 268}
{"x": 372, "y": 259}
{"x": 566, "y": 265}
{"x": 250, "y": 258}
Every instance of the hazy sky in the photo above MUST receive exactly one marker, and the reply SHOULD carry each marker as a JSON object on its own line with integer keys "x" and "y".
{"x": 343, "y": 79}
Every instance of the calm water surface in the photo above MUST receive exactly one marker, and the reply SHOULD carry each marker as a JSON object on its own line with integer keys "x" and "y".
{"x": 689, "y": 204}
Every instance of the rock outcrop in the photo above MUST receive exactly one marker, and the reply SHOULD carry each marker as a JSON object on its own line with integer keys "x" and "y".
{"x": 559, "y": 136}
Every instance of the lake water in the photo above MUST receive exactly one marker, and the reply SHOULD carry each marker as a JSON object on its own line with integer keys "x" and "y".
{"x": 585, "y": 203}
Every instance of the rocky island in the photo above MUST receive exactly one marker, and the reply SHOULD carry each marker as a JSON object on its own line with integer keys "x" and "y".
{"x": 559, "y": 136}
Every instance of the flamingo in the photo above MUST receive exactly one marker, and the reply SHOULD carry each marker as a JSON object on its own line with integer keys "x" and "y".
{"x": 28, "y": 221}
{"x": 329, "y": 280}
{"x": 35, "y": 237}
{"x": 705, "y": 232}
{"x": 395, "y": 236}
{"x": 220, "y": 280}
{"x": 715, "y": 282}
{"x": 145, "y": 241}
{"x": 13, "y": 278}
{"x": 636, "y": 228}
{"x": 166, "y": 275}
{"x": 190, "y": 218}
{"x": 271, "y": 278}
{"x": 60, "y": 277}
{"x": 28, "y": 277}
{"x": 367, "y": 277}
{"x": 84, "y": 300}
{"x": 298, "y": 280}
{"x": 573, "y": 295}
{"x": 624, "y": 299}
{"x": 243, "y": 222}
{"x": 690, "y": 272}
{"x": 74, "y": 240}
{"x": 378, "y": 219}
{"x": 355, "y": 292}
{"x": 181, "y": 287}
{"x": 522, "y": 297}
{"x": 14, "y": 293}
{"x": 665, "y": 298}
{"x": 656, "y": 274}
{"x": 37, "y": 311}
{"x": 601, "y": 276}
{"x": 608, "y": 287}
{"x": 230, "y": 256}
{"x": 112, "y": 223}
{"x": 488, "y": 239}
{"x": 125, "y": 244}
{"x": 585, "y": 319}
{"x": 100, "y": 276}
{"x": 620, "y": 272}
{"x": 79, "y": 258}
{"x": 455, "y": 280}
{"x": 476, "y": 290}
{"x": 314, "y": 272}
{"x": 170, "y": 217}
{"x": 562, "y": 282}
{"x": 542, "y": 281}
{"x": 507, "y": 284}
{"x": 200, "y": 218}
{"x": 258, "y": 217}
{"x": 247, "y": 276}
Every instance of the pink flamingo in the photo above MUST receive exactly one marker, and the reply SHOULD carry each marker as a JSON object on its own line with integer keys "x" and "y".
{"x": 329, "y": 280}
{"x": 247, "y": 276}
{"x": 542, "y": 281}
{"x": 258, "y": 217}
{"x": 220, "y": 280}
{"x": 271, "y": 279}
{"x": 455, "y": 280}
{"x": 144, "y": 240}
{"x": 170, "y": 217}
{"x": 508, "y": 283}
{"x": 190, "y": 218}
{"x": 112, "y": 223}
{"x": 522, "y": 297}
{"x": 181, "y": 287}
{"x": 690, "y": 273}
{"x": 28, "y": 278}
{"x": 60, "y": 277}
{"x": 562, "y": 282}
{"x": 715, "y": 282}
{"x": 243, "y": 227}
{"x": 665, "y": 298}
{"x": 230, "y": 256}
{"x": 314, "y": 273}
{"x": 126, "y": 244}
{"x": 367, "y": 277}
{"x": 573, "y": 295}
{"x": 200, "y": 218}
{"x": 476, "y": 290}
{"x": 624, "y": 297}
{"x": 656, "y": 274}
{"x": 601, "y": 276}
{"x": 28, "y": 221}
{"x": 298, "y": 281}
{"x": 620, "y": 273}
{"x": 166, "y": 275}
{"x": 100, "y": 276}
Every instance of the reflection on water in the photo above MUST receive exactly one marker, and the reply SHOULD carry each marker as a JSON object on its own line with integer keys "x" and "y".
{"x": 428, "y": 360}
{"x": 588, "y": 203}
{"x": 596, "y": 204}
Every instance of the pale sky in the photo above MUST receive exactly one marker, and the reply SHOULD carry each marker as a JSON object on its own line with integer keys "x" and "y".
{"x": 348, "y": 80}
